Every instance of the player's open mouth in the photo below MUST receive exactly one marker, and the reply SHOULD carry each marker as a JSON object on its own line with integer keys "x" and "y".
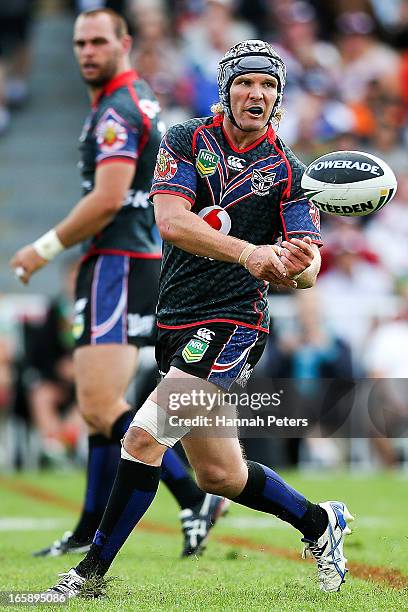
{"x": 89, "y": 66}
{"x": 255, "y": 111}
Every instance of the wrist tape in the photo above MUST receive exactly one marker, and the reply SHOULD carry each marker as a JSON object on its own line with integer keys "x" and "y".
{"x": 48, "y": 245}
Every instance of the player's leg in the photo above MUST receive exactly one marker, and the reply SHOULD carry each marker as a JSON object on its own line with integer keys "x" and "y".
{"x": 144, "y": 280}
{"x": 220, "y": 469}
{"x": 103, "y": 373}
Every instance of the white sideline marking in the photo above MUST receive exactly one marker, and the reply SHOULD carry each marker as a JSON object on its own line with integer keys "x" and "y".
{"x": 11, "y": 523}
{"x": 265, "y": 522}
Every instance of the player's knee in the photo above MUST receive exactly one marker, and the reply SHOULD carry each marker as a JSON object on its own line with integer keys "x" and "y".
{"x": 214, "y": 479}
{"x": 140, "y": 444}
{"x": 94, "y": 416}
{"x": 100, "y": 412}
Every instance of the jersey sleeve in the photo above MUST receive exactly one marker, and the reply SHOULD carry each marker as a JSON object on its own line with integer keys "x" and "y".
{"x": 175, "y": 172}
{"x": 116, "y": 138}
{"x": 300, "y": 217}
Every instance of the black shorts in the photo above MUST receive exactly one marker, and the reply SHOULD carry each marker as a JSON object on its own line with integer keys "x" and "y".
{"x": 115, "y": 301}
{"x": 222, "y": 353}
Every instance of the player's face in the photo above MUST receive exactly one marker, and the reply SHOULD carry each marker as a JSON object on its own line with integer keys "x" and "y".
{"x": 97, "y": 48}
{"x": 252, "y": 97}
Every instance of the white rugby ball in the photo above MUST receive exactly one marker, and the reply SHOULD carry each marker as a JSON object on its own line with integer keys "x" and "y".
{"x": 349, "y": 183}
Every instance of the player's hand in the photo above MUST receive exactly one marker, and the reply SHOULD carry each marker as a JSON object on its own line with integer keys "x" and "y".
{"x": 25, "y": 262}
{"x": 296, "y": 255}
{"x": 264, "y": 263}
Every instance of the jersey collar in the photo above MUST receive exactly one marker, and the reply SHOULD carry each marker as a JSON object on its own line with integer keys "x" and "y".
{"x": 269, "y": 134}
{"x": 120, "y": 80}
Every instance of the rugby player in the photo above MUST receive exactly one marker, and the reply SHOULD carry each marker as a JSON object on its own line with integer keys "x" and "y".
{"x": 225, "y": 188}
{"x": 116, "y": 292}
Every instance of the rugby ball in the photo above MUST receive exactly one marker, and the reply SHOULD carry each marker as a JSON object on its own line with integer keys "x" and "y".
{"x": 349, "y": 183}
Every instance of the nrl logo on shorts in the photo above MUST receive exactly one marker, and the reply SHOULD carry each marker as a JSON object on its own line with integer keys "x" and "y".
{"x": 194, "y": 350}
{"x": 262, "y": 181}
{"x": 206, "y": 163}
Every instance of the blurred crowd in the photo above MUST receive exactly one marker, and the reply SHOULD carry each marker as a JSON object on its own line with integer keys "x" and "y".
{"x": 347, "y": 88}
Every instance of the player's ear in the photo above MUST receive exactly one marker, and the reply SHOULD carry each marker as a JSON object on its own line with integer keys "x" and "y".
{"x": 127, "y": 42}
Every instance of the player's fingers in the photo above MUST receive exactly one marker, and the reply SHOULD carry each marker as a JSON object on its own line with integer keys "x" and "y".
{"x": 277, "y": 266}
{"x": 293, "y": 253}
{"x": 280, "y": 282}
{"x": 292, "y": 265}
{"x": 300, "y": 244}
{"x": 21, "y": 274}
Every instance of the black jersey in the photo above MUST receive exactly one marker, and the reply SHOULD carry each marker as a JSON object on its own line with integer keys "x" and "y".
{"x": 253, "y": 194}
{"x": 124, "y": 125}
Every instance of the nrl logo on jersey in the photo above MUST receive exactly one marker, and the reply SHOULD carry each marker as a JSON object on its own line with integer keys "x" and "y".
{"x": 206, "y": 163}
{"x": 235, "y": 163}
{"x": 262, "y": 181}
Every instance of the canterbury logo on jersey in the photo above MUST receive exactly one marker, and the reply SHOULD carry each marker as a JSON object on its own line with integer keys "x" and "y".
{"x": 235, "y": 163}
{"x": 205, "y": 334}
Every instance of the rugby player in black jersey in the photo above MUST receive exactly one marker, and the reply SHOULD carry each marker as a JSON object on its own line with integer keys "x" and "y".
{"x": 116, "y": 291}
{"x": 226, "y": 188}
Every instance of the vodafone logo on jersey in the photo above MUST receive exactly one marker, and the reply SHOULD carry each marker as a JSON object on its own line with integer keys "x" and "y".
{"x": 217, "y": 217}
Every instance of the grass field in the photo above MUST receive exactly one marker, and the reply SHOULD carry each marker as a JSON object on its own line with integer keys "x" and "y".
{"x": 252, "y": 561}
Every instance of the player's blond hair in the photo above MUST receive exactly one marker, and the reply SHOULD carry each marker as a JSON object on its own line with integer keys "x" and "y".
{"x": 218, "y": 109}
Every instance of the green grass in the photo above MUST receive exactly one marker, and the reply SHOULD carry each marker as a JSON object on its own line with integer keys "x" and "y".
{"x": 151, "y": 577}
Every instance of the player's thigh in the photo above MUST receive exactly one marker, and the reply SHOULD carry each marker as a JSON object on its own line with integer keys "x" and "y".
{"x": 214, "y": 452}
{"x": 103, "y": 372}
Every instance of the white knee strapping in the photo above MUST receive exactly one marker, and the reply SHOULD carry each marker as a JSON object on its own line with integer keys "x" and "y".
{"x": 153, "y": 419}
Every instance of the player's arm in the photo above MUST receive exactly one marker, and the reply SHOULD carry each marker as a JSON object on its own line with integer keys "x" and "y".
{"x": 90, "y": 215}
{"x": 97, "y": 209}
{"x": 185, "y": 230}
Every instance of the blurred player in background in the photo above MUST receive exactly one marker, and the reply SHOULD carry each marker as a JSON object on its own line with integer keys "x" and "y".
{"x": 225, "y": 188}
{"x": 116, "y": 290}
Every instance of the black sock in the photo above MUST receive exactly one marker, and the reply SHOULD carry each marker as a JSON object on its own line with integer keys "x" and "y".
{"x": 174, "y": 473}
{"x": 103, "y": 459}
{"x": 265, "y": 490}
{"x": 133, "y": 491}
{"x": 121, "y": 425}
{"x": 179, "y": 481}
